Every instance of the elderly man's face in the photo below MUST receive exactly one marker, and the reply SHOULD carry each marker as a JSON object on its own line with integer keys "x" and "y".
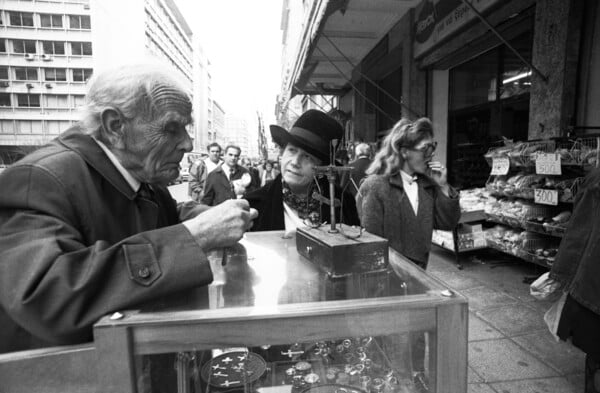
{"x": 154, "y": 148}
{"x": 297, "y": 166}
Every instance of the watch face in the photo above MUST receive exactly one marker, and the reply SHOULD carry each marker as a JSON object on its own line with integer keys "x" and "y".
{"x": 233, "y": 369}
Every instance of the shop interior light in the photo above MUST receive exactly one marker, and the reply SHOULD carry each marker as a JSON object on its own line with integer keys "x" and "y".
{"x": 517, "y": 77}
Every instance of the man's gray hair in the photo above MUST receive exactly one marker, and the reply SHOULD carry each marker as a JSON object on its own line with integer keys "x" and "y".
{"x": 362, "y": 149}
{"x": 130, "y": 89}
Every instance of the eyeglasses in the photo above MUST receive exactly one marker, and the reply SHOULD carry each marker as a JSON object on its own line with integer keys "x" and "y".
{"x": 426, "y": 149}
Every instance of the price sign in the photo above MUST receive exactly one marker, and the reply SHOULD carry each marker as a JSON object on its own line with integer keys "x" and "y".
{"x": 500, "y": 165}
{"x": 545, "y": 197}
{"x": 547, "y": 164}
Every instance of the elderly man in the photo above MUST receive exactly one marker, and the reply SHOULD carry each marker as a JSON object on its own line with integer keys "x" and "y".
{"x": 359, "y": 168}
{"x": 87, "y": 226}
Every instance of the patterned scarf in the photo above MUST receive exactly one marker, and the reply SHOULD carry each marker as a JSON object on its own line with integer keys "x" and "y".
{"x": 306, "y": 206}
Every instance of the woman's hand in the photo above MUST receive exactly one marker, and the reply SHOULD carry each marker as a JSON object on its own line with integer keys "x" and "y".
{"x": 439, "y": 174}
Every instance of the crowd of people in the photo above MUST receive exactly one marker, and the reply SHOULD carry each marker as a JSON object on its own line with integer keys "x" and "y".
{"x": 89, "y": 226}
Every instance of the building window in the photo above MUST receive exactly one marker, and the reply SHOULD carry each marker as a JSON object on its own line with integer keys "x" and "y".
{"x": 7, "y": 126}
{"x": 26, "y": 74}
{"x": 51, "y": 21}
{"x": 28, "y": 100}
{"x": 81, "y": 48}
{"x": 24, "y": 46}
{"x": 29, "y": 126}
{"x": 79, "y": 22}
{"x": 56, "y": 101}
{"x": 21, "y": 19}
{"x": 81, "y": 74}
{"x": 4, "y": 73}
{"x": 78, "y": 100}
{"x": 4, "y": 99}
{"x": 53, "y": 47}
{"x": 2, "y": 45}
{"x": 55, "y": 74}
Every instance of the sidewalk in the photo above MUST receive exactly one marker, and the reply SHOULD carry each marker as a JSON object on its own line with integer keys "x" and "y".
{"x": 510, "y": 347}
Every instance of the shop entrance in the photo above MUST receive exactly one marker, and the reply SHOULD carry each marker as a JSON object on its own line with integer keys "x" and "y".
{"x": 489, "y": 101}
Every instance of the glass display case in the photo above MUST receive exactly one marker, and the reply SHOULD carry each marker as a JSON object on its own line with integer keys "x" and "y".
{"x": 272, "y": 322}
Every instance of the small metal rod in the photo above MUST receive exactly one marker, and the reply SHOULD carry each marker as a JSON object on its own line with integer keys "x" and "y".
{"x": 310, "y": 98}
{"x": 516, "y": 52}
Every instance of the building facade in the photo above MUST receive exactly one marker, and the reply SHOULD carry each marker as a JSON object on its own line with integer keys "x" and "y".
{"x": 532, "y": 75}
{"x": 49, "y": 49}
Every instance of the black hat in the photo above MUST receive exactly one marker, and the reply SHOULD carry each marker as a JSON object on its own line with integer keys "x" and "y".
{"x": 313, "y": 132}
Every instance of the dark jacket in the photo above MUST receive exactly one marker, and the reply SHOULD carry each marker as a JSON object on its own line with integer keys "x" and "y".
{"x": 218, "y": 187}
{"x": 359, "y": 167}
{"x": 268, "y": 200}
{"x": 76, "y": 244}
{"x": 385, "y": 210}
{"x": 577, "y": 264}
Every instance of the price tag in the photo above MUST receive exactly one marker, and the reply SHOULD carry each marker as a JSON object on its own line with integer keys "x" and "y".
{"x": 547, "y": 164}
{"x": 545, "y": 197}
{"x": 500, "y": 165}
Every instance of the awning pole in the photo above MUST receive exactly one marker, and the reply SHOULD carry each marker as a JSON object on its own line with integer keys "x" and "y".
{"x": 516, "y": 52}
{"x": 354, "y": 87}
{"x": 417, "y": 114}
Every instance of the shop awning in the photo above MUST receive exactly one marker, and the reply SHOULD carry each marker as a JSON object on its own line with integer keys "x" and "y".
{"x": 347, "y": 31}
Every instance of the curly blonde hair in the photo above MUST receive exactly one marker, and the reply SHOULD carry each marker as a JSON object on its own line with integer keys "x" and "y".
{"x": 405, "y": 133}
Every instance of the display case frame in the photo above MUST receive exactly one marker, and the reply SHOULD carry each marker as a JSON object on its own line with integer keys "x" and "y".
{"x": 437, "y": 310}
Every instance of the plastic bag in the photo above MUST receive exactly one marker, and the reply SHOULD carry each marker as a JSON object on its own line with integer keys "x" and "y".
{"x": 552, "y": 316}
{"x": 544, "y": 286}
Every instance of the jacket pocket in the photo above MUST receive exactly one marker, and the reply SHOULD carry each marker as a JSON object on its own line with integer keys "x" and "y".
{"x": 142, "y": 263}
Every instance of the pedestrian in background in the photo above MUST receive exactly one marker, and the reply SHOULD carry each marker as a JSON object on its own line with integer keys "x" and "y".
{"x": 359, "y": 168}
{"x": 228, "y": 181}
{"x": 199, "y": 170}
{"x": 577, "y": 270}
{"x": 268, "y": 173}
{"x": 404, "y": 197}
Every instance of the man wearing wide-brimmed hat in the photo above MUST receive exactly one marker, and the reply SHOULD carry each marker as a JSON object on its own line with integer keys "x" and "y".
{"x": 287, "y": 202}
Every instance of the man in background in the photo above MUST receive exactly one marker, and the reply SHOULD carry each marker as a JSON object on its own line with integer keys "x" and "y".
{"x": 227, "y": 181}
{"x": 359, "y": 167}
{"x": 200, "y": 169}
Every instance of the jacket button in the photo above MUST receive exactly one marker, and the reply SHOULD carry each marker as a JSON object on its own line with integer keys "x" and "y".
{"x": 144, "y": 272}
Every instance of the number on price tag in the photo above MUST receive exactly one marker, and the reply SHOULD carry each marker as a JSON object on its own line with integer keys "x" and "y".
{"x": 545, "y": 197}
{"x": 500, "y": 166}
{"x": 547, "y": 164}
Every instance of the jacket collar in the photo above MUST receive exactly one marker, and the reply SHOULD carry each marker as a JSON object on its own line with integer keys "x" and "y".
{"x": 425, "y": 181}
{"x": 74, "y": 139}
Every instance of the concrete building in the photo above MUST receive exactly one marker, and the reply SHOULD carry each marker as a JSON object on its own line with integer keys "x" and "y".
{"x": 218, "y": 123}
{"x": 236, "y": 132}
{"x": 50, "y": 48}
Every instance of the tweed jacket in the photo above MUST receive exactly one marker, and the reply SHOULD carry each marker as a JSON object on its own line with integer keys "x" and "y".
{"x": 268, "y": 200}
{"x": 577, "y": 263}
{"x": 385, "y": 210}
{"x": 218, "y": 187}
{"x": 76, "y": 244}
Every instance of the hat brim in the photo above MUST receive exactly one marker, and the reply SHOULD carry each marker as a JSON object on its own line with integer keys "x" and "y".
{"x": 282, "y": 137}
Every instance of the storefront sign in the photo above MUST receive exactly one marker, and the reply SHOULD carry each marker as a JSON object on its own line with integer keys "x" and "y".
{"x": 547, "y": 164}
{"x": 438, "y": 19}
{"x": 500, "y": 165}
{"x": 545, "y": 197}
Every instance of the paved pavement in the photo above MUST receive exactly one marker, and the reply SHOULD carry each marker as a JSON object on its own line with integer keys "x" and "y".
{"x": 510, "y": 347}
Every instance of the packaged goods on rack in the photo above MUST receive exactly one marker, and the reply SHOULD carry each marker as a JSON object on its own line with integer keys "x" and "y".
{"x": 523, "y": 185}
{"x": 473, "y": 199}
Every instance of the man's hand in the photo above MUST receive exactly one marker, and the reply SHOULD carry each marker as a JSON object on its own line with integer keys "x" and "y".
{"x": 222, "y": 225}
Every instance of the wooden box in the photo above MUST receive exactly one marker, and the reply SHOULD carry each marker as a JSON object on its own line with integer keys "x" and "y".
{"x": 338, "y": 255}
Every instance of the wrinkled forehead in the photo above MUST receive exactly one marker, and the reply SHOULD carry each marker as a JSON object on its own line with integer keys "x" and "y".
{"x": 302, "y": 151}
{"x": 170, "y": 99}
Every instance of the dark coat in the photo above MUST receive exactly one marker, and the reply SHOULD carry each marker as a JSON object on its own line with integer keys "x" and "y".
{"x": 218, "y": 187}
{"x": 577, "y": 263}
{"x": 268, "y": 200}
{"x": 76, "y": 244}
{"x": 359, "y": 168}
{"x": 386, "y": 211}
